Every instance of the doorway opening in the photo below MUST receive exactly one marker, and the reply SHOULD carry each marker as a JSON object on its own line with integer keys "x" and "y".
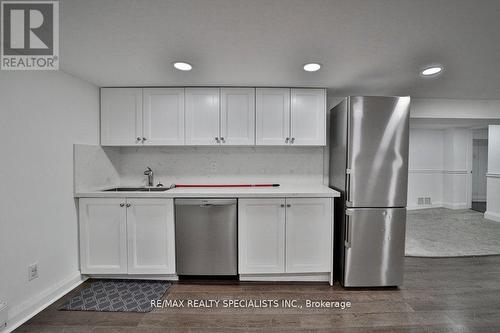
{"x": 479, "y": 170}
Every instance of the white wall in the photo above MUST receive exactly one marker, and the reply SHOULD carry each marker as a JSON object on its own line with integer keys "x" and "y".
{"x": 493, "y": 176}
{"x": 43, "y": 114}
{"x": 439, "y": 168}
{"x": 454, "y": 108}
{"x": 457, "y": 168}
{"x": 425, "y": 176}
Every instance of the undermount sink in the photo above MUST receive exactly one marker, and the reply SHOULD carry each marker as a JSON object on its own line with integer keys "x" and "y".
{"x": 137, "y": 189}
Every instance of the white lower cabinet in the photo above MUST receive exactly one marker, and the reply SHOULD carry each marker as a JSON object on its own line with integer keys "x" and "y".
{"x": 127, "y": 236}
{"x": 288, "y": 236}
{"x": 103, "y": 236}
{"x": 151, "y": 238}
{"x": 261, "y": 236}
{"x": 309, "y": 243}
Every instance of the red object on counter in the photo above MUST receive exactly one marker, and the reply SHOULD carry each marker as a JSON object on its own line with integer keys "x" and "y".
{"x": 226, "y": 185}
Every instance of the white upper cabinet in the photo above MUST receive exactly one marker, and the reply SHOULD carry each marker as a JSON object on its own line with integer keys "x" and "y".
{"x": 261, "y": 236}
{"x": 163, "y": 116}
{"x": 272, "y": 116}
{"x": 237, "y": 116}
{"x": 202, "y": 116}
{"x": 309, "y": 233}
{"x": 213, "y": 116}
{"x": 121, "y": 116}
{"x": 308, "y": 117}
{"x": 151, "y": 236}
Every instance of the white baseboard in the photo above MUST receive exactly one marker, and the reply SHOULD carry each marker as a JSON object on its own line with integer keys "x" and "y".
{"x": 306, "y": 277}
{"x": 492, "y": 216}
{"x": 461, "y": 205}
{"x": 19, "y": 314}
{"x": 436, "y": 205}
{"x": 159, "y": 277}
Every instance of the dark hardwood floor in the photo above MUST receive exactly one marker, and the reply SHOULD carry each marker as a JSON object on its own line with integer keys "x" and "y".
{"x": 439, "y": 295}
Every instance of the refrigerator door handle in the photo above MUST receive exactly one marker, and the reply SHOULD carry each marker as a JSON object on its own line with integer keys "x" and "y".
{"x": 348, "y": 187}
{"x": 347, "y": 238}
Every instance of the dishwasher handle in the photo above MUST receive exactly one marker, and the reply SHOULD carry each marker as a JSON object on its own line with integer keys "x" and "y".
{"x": 205, "y": 202}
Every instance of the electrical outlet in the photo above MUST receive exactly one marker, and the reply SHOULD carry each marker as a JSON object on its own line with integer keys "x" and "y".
{"x": 213, "y": 166}
{"x": 32, "y": 271}
{"x": 420, "y": 201}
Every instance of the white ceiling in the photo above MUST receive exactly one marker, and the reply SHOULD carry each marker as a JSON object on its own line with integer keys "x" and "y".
{"x": 365, "y": 46}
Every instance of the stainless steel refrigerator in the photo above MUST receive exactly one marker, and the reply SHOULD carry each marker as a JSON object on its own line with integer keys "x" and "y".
{"x": 369, "y": 166}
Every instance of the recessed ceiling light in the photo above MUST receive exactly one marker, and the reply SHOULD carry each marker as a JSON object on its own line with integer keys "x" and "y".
{"x": 312, "y": 67}
{"x": 430, "y": 71}
{"x": 182, "y": 66}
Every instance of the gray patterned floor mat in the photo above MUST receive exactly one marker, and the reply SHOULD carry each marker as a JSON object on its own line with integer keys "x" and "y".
{"x": 117, "y": 296}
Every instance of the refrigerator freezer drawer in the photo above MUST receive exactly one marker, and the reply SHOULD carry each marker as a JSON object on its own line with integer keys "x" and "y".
{"x": 374, "y": 247}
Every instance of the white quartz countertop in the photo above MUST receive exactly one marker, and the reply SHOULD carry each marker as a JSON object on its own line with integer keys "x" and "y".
{"x": 303, "y": 191}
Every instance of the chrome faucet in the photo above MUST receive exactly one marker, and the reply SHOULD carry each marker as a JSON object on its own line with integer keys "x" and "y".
{"x": 149, "y": 173}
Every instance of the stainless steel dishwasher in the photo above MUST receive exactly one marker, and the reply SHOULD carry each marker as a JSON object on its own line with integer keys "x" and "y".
{"x": 206, "y": 237}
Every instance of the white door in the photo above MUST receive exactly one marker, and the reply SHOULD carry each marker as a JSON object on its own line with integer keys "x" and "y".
{"x": 151, "y": 239}
{"x": 163, "y": 116}
{"x": 121, "y": 116}
{"x": 103, "y": 236}
{"x": 261, "y": 236}
{"x": 237, "y": 116}
{"x": 309, "y": 235}
{"x": 202, "y": 116}
{"x": 308, "y": 117}
{"x": 272, "y": 114}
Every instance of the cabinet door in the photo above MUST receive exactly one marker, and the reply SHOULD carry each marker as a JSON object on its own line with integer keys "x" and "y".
{"x": 163, "y": 116}
{"x": 151, "y": 239}
{"x": 308, "y": 117}
{"x": 202, "y": 116}
{"x": 261, "y": 236}
{"x": 309, "y": 242}
{"x": 103, "y": 236}
{"x": 121, "y": 116}
{"x": 237, "y": 116}
{"x": 272, "y": 115}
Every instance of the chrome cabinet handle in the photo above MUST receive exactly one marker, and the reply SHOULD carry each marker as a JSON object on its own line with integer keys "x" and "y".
{"x": 217, "y": 139}
{"x": 288, "y": 205}
{"x": 223, "y": 140}
{"x": 138, "y": 138}
{"x": 293, "y": 140}
{"x": 282, "y": 205}
{"x": 128, "y": 205}
{"x": 287, "y": 139}
{"x": 144, "y": 139}
{"x": 122, "y": 204}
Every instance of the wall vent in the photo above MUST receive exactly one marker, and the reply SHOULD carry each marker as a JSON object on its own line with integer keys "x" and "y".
{"x": 424, "y": 201}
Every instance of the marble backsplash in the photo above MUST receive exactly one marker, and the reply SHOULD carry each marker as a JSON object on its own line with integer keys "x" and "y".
{"x": 297, "y": 165}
